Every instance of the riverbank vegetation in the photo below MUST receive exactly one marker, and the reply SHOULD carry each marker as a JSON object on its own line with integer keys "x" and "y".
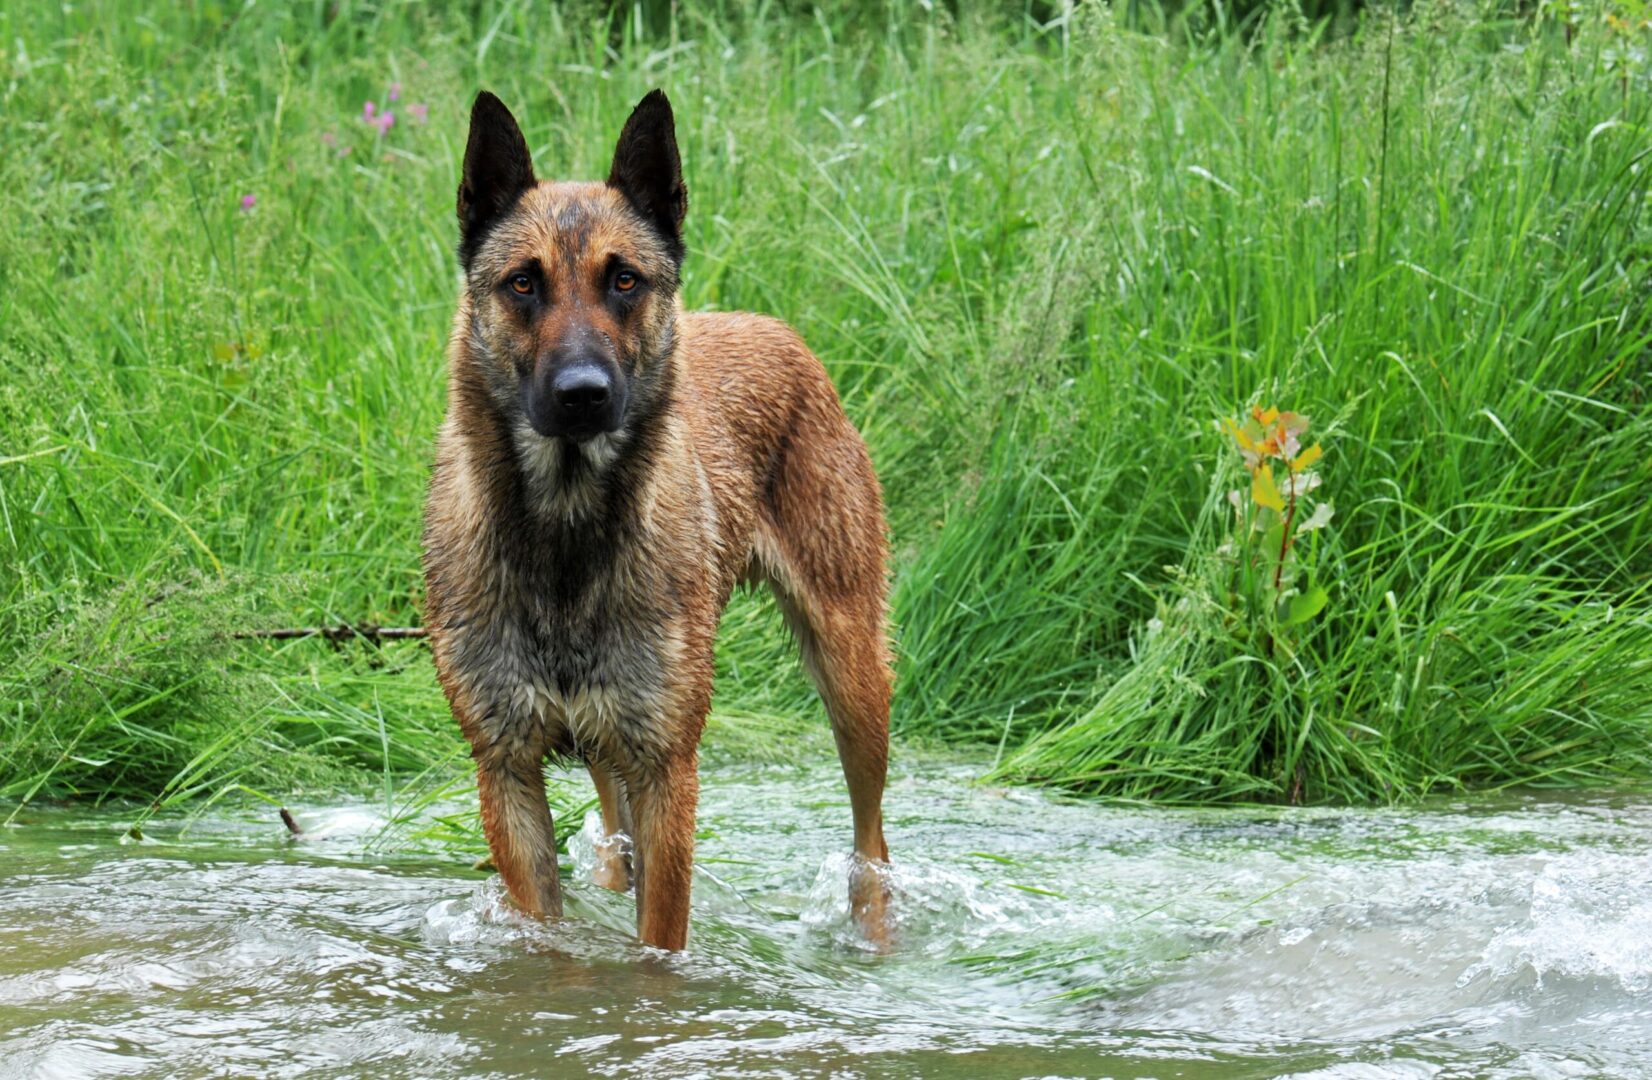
{"x": 1044, "y": 255}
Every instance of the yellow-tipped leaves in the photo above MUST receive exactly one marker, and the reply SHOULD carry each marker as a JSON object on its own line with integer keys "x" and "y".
{"x": 1264, "y": 491}
{"x": 1306, "y": 458}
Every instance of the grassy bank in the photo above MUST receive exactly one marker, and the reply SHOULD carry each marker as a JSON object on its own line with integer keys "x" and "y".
{"x": 1041, "y": 263}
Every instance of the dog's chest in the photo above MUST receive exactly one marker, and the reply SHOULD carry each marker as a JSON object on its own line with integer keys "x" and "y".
{"x": 578, "y": 625}
{"x": 575, "y": 656}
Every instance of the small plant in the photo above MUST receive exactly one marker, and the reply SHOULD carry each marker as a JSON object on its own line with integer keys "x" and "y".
{"x": 1275, "y": 585}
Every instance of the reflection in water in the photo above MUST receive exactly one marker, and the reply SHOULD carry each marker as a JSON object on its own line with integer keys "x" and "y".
{"x": 1034, "y": 937}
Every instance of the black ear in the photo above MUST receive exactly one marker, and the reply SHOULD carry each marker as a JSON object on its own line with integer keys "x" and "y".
{"x": 497, "y": 171}
{"x": 648, "y": 172}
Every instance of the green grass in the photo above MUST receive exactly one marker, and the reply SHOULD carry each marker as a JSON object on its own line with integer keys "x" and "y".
{"x": 1039, "y": 260}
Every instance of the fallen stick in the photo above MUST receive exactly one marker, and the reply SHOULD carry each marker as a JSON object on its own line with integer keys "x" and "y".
{"x": 344, "y": 632}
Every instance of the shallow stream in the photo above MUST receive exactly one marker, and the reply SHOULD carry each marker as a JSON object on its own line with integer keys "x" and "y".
{"x": 1507, "y": 937}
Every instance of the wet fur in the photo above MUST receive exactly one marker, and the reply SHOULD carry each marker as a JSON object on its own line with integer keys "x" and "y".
{"x": 574, "y": 589}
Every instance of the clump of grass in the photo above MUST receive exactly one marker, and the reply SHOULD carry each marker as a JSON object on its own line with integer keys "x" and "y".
{"x": 120, "y": 695}
{"x": 1037, "y": 260}
{"x": 1443, "y": 270}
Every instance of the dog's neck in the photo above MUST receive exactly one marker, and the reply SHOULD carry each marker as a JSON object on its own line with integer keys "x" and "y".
{"x": 563, "y": 481}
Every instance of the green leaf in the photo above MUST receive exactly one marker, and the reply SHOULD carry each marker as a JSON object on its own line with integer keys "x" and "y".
{"x": 1273, "y": 539}
{"x": 1305, "y": 605}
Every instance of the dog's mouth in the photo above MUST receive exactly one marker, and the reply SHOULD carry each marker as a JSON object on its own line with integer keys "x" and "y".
{"x": 578, "y": 435}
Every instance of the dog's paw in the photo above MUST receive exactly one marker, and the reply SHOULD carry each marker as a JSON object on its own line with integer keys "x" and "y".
{"x": 603, "y": 857}
{"x": 869, "y": 901}
{"x": 613, "y": 871}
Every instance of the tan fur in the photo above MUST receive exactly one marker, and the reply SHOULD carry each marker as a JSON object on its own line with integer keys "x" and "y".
{"x": 573, "y": 603}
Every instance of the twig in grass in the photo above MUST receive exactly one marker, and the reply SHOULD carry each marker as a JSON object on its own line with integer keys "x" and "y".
{"x": 342, "y": 632}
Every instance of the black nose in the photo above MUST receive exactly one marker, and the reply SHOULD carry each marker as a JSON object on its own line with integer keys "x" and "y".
{"x": 578, "y": 399}
{"x": 581, "y": 391}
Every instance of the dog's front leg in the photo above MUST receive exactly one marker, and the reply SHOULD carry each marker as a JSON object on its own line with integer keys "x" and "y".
{"x": 663, "y": 806}
{"x": 517, "y": 822}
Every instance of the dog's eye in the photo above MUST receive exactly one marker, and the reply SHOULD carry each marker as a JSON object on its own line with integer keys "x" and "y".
{"x": 521, "y": 284}
{"x": 625, "y": 280}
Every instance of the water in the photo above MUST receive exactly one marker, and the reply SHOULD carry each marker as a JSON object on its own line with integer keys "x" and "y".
{"x": 1508, "y": 938}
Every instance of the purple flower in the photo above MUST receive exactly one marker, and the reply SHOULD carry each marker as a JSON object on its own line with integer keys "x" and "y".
{"x": 368, "y": 111}
{"x": 420, "y": 111}
{"x": 395, "y": 91}
{"x": 248, "y": 202}
{"x": 385, "y": 121}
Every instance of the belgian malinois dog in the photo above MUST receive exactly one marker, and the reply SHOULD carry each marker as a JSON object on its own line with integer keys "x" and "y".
{"x": 609, "y": 469}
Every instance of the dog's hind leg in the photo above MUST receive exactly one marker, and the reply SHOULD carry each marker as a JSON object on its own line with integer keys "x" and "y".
{"x": 613, "y": 869}
{"x": 822, "y": 549}
{"x": 845, "y": 654}
{"x": 842, "y": 650}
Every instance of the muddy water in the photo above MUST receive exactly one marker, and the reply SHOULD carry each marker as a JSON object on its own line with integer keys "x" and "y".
{"x": 1506, "y": 938}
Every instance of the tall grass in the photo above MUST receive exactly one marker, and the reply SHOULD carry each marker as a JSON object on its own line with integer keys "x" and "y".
{"x": 1039, "y": 259}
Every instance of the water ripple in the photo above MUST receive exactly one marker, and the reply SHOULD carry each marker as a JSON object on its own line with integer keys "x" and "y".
{"x": 1505, "y": 940}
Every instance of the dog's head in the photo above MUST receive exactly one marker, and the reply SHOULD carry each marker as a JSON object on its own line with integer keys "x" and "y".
{"x": 572, "y": 286}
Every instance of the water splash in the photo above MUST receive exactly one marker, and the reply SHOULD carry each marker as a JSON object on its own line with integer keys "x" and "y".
{"x": 592, "y": 845}
{"x": 933, "y": 908}
{"x": 485, "y": 916}
{"x": 1589, "y": 918}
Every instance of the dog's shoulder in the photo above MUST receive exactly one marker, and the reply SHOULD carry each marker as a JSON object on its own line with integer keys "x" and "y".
{"x": 748, "y": 368}
{"x": 737, "y": 351}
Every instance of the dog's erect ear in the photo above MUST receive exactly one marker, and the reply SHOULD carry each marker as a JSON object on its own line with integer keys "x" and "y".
{"x": 497, "y": 171}
{"x": 648, "y": 172}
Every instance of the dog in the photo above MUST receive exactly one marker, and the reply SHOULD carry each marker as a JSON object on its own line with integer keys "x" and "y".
{"x": 610, "y": 467}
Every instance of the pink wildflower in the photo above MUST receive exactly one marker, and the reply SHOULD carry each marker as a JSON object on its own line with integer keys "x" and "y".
{"x": 420, "y": 111}
{"x": 368, "y": 111}
{"x": 386, "y": 120}
{"x": 329, "y": 139}
{"x": 395, "y": 91}
{"x": 248, "y": 202}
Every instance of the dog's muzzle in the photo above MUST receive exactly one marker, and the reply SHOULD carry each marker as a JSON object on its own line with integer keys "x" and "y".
{"x": 577, "y": 400}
